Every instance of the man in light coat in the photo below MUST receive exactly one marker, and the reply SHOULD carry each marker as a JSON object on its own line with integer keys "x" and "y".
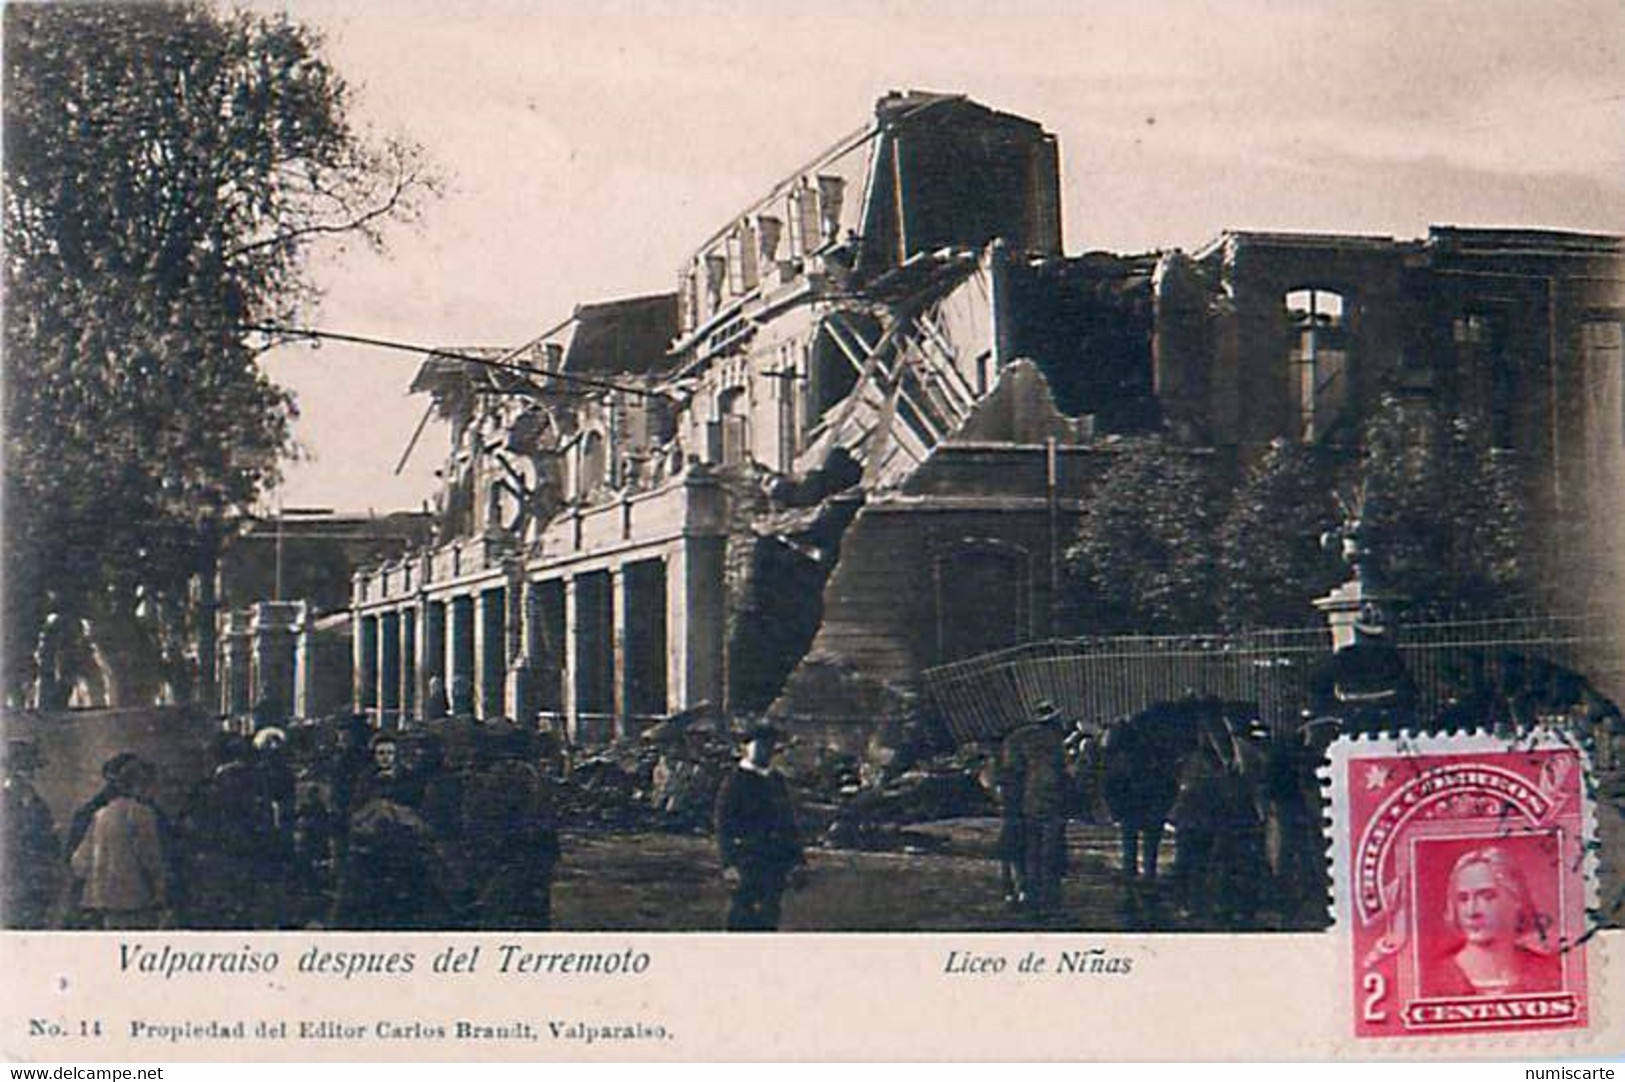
{"x": 120, "y": 861}
{"x": 1033, "y": 783}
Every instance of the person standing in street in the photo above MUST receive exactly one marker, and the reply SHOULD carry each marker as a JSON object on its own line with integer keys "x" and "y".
{"x": 1012, "y": 844}
{"x": 223, "y": 834}
{"x": 510, "y": 840}
{"x": 31, "y": 854}
{"x": 390, "y": 877}
{"x": 1032, "y": 769}
{"x": 120, "y": 862}
{"x": 757, "y": 836}
{"x": 1366, "y": 684}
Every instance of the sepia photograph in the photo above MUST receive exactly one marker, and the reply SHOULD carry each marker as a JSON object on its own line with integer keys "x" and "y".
{"x": 500, "y": 468}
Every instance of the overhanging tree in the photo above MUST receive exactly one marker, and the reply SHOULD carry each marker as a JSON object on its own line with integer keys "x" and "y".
{"x": 1143, "y": 557}
{"x": 1271, "y": 560}
{"x": 1449, "y": 515}
{"x": 1162, "y": 547}
{"x": 168, "y": 169}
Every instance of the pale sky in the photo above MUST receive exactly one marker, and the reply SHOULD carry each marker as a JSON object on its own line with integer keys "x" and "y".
{"x": 589, "y": 146}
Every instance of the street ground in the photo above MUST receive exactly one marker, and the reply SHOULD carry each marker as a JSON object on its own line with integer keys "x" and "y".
{"x": 672, "y": 882}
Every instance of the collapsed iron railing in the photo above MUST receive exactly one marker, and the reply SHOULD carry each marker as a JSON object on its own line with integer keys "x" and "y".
{"x": 1094, "y": 680}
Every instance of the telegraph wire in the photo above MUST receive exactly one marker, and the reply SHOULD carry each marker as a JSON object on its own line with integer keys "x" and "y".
{"x": 483, "y": 362}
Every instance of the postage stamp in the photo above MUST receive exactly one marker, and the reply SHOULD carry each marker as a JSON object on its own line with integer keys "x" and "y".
{"x": 1461, "y": 870}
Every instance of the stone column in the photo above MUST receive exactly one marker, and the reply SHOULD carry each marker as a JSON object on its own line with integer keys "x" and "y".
{"x": 218, "y": 703}
{"x": 236, "y": 698}
{"x": 516, "y": 692}
{"x": 422, "y": 657}
{"x": 516, "y": 597}
{"x": 524, "y": 611}
{"x": 477, "y": 676}
{"x": 271, "y": 696}
{"x": 207, "y": 688}
{"x": 694, "y": 623}
{"x": 619, "y": 610}
{"x": 304, "y": 664}
{"x": 677, "y": 689}
{"x": 364, "y": 647}
{"x": 572, "y": 666}
{"x": 996, "y": 265}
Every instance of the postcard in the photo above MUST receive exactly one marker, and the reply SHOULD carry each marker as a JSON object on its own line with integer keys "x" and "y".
{"x": 543, "y": 532}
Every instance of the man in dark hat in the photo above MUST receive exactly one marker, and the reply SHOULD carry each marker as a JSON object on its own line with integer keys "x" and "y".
{"x": 756, "y": 834}
{"x": 1366, "y": 683}
{"x": 1033, "y": 785}
{"x": 351, "y": 763}
{"x": 33, "y": 856}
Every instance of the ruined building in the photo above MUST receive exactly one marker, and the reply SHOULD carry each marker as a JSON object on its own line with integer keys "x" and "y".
{"x": 273, "y": 617}
{"x": 854, "y": 441}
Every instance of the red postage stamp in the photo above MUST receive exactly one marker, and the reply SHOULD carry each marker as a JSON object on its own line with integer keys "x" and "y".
{"x": 1461, "y": 873}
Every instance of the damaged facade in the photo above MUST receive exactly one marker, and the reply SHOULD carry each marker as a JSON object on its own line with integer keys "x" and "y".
{"x": 854, "y": 441}
{"x": 1265, "y": 335}
{"x": 274, "y": 616}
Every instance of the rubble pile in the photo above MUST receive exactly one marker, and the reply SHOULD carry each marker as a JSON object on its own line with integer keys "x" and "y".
{"x": 664, "y": 779}
{"x": 900, "y": 785}
{"x": 607, "y": 789}
{"x": 686, "y": 776}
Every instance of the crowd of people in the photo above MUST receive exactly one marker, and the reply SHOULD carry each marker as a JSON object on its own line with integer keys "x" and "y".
{"x": 346, "y": 827}
{"x": 349, "y": 827}
{"x": 1243, "y": 803}
{"x": 455, "y": 823}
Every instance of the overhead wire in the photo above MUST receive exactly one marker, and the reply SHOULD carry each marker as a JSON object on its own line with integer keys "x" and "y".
{"x": 524, "y": 370}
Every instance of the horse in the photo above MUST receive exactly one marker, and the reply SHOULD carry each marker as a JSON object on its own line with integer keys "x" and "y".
{"x": 1220, "y": 815}
{"x": 1510, "y": 690}
{"x": 1142, "y": 763}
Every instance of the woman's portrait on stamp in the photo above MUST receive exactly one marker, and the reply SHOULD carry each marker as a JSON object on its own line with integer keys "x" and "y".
{"x": 1499, "y": 939}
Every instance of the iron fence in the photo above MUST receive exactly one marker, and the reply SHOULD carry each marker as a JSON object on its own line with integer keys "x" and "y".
{"x": 1094, "y": 680}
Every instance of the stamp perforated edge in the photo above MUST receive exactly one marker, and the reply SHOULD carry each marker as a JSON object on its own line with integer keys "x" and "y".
{"x": 1335, "y": 804}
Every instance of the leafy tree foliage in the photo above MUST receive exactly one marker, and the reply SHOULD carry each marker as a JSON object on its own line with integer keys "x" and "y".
{"x": 1449, "y": 516}
{"x": 1270, "y": 556}
{"x": 1164, "y": 547}
{"x": 1143, "y": 558}
{"x": 168, "y": 169}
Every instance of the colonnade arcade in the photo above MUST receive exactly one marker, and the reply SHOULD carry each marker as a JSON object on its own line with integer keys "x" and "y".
{"x": 603, "y": 646}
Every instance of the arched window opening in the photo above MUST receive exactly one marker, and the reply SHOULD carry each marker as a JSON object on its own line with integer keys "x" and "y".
{"x": 1319, "y": 360}
{"x": 831, "y": 376}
